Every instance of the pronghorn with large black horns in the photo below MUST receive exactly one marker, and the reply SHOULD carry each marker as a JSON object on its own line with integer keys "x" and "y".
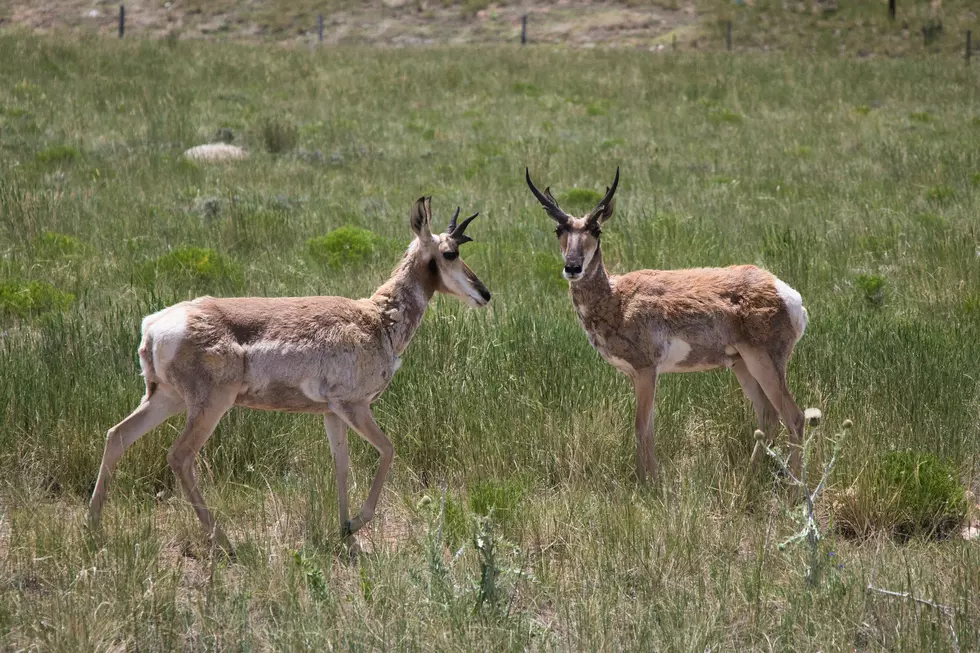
{"x": 650, "y": 322}
{"x": 328, "y": 355}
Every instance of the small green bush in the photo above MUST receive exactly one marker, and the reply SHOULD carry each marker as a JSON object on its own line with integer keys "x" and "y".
{"x": 279, "y": 135}
{"x": 524, "y": 88}
{"x": 940, "y": 194}
{"x": 909, "y": 494}
{"x": 344, "y": 246}
{"x": 920, "y": 116}
{"x": 25, "y": 298}
{"x": 193, "y": 266}
{"x": 57, "y": 155}
{"x": 872, "y": 287}
{"x": 580, "y": 199}
{"x": 724, "y": 116}
{"x": 51, "y": 243}
{"x": 496, "y": 498}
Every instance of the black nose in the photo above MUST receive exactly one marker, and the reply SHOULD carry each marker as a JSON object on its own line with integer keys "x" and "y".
{"x": 573, "y": 269}
{"x": 485, "y": 294}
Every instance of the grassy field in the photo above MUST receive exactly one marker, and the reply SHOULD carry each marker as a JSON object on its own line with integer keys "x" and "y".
{"x": 512, "y": 518}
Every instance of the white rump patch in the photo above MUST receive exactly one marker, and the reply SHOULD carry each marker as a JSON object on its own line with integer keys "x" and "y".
{"x": 675, "y": 352}
{"x": 166, "y": 331}
{"x": 794, "y": 305}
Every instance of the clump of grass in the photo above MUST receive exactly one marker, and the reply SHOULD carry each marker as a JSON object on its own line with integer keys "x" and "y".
{"x": 940, "y": 194}
{"x": 345, "y": 246}
{"x": 27, "y": 298}
{"x": 58, "y": 155}
{"x": 51, "y": 243}
{"x": 193, "y": 266}
{"x": 975, "y": 179}
{"x": 910, "y": 494}
{"x": 526, "y": 88}
{"x": 496, "y": 498}
{"x": 931, "y": 221}
{"x": 279, "y": 135}
{"x": 872, "y": 288}
{"x": 595, "y": 109}
{"x": 920, "y": 116}
{"x": 546, "y": 271}
{"x": 862, "y": 109}
{"x": 724, "y": 116}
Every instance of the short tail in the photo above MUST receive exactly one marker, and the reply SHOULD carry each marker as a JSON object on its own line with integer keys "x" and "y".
{"x": 146, "y": 359}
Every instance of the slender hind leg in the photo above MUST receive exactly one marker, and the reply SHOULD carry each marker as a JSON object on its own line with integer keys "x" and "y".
{"x": 202, "y": 417}
{"x": 155, "y": 408}
{"x": 772, "y": 379}
{"x": 765, "y": 413}
{"x": 360, "y": 419}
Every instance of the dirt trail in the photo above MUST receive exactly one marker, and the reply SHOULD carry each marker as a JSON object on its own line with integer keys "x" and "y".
{"x": 390, "y": 23}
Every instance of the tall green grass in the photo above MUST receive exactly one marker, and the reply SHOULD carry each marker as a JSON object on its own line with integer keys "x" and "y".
{"x": 814, "y": 169}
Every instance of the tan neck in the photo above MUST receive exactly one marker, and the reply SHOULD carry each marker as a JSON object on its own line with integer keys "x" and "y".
{"x": 402, "y": 299}
{"x": 594, "y": 285}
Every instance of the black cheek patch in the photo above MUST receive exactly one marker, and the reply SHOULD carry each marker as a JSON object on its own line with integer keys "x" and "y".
{"x": 433, "y": 266}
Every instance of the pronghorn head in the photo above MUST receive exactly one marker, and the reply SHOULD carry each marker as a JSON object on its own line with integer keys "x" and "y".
{"x": 441, "y": 253}
{"x": 577, "y": 237}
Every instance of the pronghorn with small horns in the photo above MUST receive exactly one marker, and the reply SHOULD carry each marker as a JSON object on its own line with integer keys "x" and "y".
{"x": 650, "y": 322}
{"x": 328, "y": 355}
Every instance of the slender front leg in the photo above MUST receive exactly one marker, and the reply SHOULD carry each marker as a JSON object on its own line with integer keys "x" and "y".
{"x": 360, "y": 419}
{"x": 337, "y": 436}
{"x": 765, "y": 412}
{"x": 647, "y": 467}
{"x": 202, "y": 418}
{"x": 773, "y": 383}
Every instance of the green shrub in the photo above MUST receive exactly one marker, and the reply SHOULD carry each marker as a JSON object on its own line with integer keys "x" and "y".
{"x": 496, "y": 498}
{"x": 344, "y": 246}
{"x": 872, "y": 287}
{"x": 909, "y": 494}
{"x": 940, "y": 194}
{"x": 279, "y": 135}
{"x": 580, "y": 199}
{"x": 724, "y": 116}
{"x": 57, "y": 155}
{"x": 920, "y": 116}
{"x": 193, "y": 266}
{"x": 25, "y": 298}
{"x": 51, "y": 243}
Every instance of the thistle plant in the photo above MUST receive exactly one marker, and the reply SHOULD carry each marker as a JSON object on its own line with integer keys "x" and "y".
{"x": 805, "y": 514}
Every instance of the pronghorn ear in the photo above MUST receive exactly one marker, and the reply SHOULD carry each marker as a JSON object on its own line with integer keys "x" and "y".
{"x": 421, "y": 213}
{"x": 605, "y": 211}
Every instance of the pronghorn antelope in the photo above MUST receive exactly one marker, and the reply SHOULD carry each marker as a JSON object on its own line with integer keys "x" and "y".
{"x": 328, "y": 355}
{"x": 650, "y": 322}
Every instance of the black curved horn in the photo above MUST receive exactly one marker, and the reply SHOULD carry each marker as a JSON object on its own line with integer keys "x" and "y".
{"x": 452, "y": 222}
{"x": 456, "y": 233}
{"x": 547, "y": 201}
{"x": 604, "y": 203}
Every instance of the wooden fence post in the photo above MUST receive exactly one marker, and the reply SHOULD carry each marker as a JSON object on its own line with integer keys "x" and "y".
{"x": 319, "y": 28}
{"x": 524, "y": 29}
{"x": 122, "y": 20}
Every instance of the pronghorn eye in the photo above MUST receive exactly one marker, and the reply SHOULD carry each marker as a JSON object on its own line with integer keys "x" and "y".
{"x": 450, "y": 256}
